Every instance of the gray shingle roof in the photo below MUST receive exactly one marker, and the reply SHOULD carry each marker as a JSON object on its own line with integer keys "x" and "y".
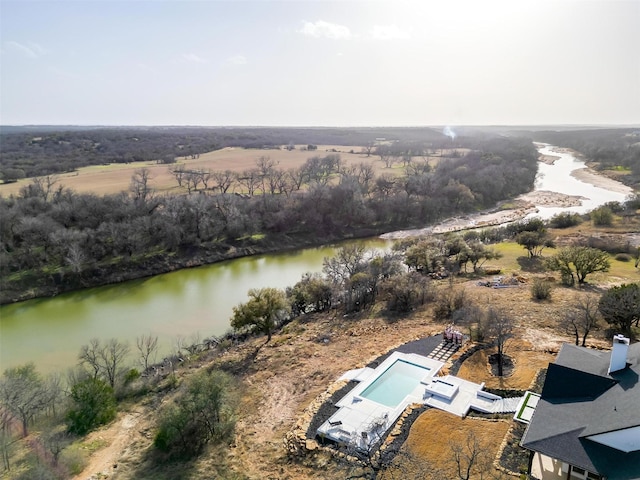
{"x": 580, "y": 399}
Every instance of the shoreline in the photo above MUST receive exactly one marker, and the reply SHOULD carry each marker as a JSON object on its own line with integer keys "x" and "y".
{"x": 527, "y": 204}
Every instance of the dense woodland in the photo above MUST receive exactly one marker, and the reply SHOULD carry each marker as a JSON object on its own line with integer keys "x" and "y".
{"x": 53, "y": 239}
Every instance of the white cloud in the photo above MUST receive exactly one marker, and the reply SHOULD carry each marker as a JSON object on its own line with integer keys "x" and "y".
{"x": 30, "y": 49}
{"x": 325, "y": 29}
{"x": 237, "y": 60}
{"x": 192, "y": 57}
{"x": 389, "y": 32}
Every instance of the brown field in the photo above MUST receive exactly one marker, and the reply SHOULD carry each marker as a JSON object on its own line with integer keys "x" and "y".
{"x": 433, "y": 433}
{"x": 115, "y": 178}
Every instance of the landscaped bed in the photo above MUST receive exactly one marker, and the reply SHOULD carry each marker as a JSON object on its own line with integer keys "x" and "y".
{"x": 527, "y": 362}
{"x": 432, "y": 434}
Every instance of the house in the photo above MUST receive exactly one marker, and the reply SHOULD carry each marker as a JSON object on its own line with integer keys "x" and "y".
{"x": 587, "y": 422}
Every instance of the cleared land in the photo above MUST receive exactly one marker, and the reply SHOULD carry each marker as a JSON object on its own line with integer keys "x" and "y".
{"x": 431, "y": 437}
{"x": 115, "y": 178}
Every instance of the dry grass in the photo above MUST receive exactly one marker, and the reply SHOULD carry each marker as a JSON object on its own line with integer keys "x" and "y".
{"x": 115, "y": 178}
{"x": 433, "y": 434}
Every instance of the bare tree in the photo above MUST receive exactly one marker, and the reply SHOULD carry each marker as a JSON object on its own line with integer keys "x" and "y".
{"x": 192, "y": 179}
{"x": 471, "y": 459}
{"x": 582, "y": 317}
{"x": 298, "y": 177}
{"x": 204, "y": 176}
{"x": 194, "y": 344}
{"x": 113, "y": 355}
{"x": 348, "y": 261}
{"x": 385, "y": 154}
{"x": 368, "y": 148}
{"x": 148, "y": 348}
{"x": 24, "y": 393}
{"x": 6, "y": 437}
{"x": 473, "y": 317}
{"x": 104, "y": 360}
{"x": 268, "y": 174}
{"x": 75, "y": 257}
{"x": 500, "y": 330}
{"x": 407, "y": 465}
{"x": 283, "y": 182}
{"x": 90, "y": 356}
{"x": 139, "y": 185}
{"x": 43, "y": 186}
{"x": 55, "y": 440}
{"x": 179, "y": 174}
{"x": 251, "y": 180}
{"x": 224, "y": 180}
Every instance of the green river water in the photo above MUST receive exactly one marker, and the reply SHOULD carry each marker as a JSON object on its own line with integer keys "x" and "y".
{"x": 50, "y": 331}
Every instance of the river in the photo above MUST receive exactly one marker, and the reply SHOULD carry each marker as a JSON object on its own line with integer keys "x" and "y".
{"x": 50, "y": 331}
{"x": 561, "y": 177}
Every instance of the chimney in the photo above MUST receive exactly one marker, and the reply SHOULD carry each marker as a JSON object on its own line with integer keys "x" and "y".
{"x": 619, "y": 353}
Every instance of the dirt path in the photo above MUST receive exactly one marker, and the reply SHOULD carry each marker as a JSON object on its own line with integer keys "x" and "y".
{"x": 119, "y": 436}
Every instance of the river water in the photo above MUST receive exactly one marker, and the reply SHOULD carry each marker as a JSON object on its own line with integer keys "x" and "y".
{"x": 558, "y": 178}
{"x": 50, "y": 331}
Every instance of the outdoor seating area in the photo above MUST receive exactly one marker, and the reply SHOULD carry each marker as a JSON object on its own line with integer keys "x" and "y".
{"x": 382, "y": 394}
{"x": 451, "y": 335}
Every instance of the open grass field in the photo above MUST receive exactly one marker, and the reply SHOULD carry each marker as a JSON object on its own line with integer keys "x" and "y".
{"x": 115, "y": 178}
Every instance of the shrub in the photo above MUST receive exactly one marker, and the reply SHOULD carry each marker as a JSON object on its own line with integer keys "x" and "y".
{"x": 540, "y": 289}
{"x": 602, "y": 217}
{"x": 203, "y": 412}
{"x": 132, "y": 374}
{"x": 74, "y": 460}
{"x": 448, "y": 301}
{"x": 94, "y": 404}
{"x": 565, "y": 220}
{"x": 623, "y": 257}
{"x": 405, "y": 292}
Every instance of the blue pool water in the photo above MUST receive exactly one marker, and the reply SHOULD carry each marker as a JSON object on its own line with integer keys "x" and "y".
{"x": 395, "y": 383}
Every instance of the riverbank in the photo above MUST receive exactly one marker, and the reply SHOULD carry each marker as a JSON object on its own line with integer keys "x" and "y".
{"x": 521, "y": 207}
{"x": 35, "y": 283}
{"x": 524, "y": 205}
{"x": 39, "y": 284}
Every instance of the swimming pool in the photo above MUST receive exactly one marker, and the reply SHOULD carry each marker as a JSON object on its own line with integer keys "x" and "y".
{"x": 395, "y": 383}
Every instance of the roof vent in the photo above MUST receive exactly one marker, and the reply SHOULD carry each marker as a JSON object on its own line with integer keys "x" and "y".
{"x": 619, "y": 353}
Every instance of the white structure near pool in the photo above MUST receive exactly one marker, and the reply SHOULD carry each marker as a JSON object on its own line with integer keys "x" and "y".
{"x": 371, "y": 407}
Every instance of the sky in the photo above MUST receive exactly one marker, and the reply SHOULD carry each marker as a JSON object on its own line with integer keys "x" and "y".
{"x": 320, "y": 63}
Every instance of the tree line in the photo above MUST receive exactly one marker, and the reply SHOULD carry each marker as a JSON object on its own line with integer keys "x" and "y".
{"x": 54, "y": 239}
{"x": 37, "y": 151}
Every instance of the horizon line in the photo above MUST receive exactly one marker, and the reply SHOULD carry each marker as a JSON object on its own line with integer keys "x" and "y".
{"x": 108, "y": 125}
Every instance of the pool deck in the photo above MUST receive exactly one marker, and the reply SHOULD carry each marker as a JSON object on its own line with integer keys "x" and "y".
{"x": 360, "y": 422}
